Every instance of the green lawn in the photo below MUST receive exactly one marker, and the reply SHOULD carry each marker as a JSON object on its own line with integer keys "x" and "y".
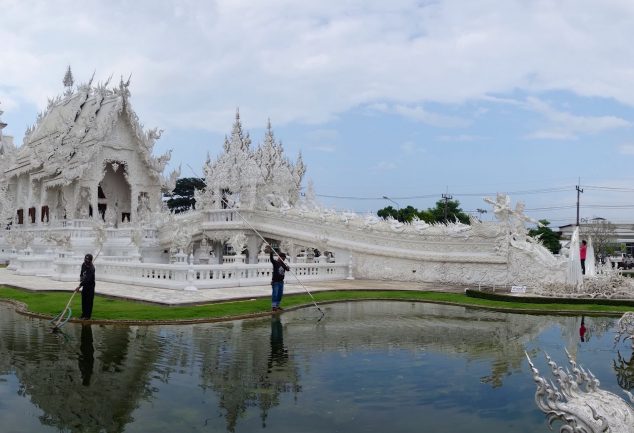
{"x": 51, "y": 303}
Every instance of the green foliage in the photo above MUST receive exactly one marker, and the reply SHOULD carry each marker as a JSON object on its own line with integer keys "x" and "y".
{"x": 182, "y": 198}
{"x": 549, "y": 238}
{"x": 431, "y": 215}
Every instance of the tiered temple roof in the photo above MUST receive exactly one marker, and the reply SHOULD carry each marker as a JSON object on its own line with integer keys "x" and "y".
{"x": 60, "y": 145}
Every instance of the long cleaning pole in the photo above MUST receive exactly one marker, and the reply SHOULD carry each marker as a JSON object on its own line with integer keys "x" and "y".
{"x": 273, "y": 249}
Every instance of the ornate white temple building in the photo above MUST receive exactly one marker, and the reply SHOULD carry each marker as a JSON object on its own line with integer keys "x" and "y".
{"x": 85, "y": 180}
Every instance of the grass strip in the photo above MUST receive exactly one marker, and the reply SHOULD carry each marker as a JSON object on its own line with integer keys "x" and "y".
{"x": 106, "y": 308}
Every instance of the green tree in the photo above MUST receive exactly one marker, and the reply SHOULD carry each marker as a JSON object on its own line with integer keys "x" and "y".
{"x": 387, "y": 212}
{"x": 182, "y": 198}
{"x": 547, "y": 236}
{"x": 431, "y": 215}
{"x": 437, "y": 214}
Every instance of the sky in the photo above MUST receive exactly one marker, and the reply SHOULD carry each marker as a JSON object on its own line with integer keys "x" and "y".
{"x": 406, "y": 99}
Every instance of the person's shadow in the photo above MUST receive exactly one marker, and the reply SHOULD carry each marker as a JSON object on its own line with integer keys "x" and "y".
{"x": 86, "y": 358}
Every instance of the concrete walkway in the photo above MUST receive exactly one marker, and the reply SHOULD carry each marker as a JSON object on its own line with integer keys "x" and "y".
{"x": 202, "y": 296}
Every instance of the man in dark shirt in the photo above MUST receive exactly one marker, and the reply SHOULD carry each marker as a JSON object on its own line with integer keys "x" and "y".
{"x": 87, "y": 281}
{"x": 277, "y": 282}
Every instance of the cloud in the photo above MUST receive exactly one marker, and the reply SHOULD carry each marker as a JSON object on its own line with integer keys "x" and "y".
{"x": 566, "y": 126}
{"x": 386, "y": 166}
{"x": 432, "y": 119}
{"x": 461, "y": 138}
{"x": 192, "y": 61}
{"x": 409, "y": 148}
{"x": 626, "y": 149}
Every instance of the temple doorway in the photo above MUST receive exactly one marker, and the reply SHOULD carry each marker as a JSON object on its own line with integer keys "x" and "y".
{"x": 114, "y": 197}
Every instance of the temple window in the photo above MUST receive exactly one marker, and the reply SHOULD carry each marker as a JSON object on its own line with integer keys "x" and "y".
{"x": 32, "y": 215}
{"x": 20, "y": 216}
{"x": 44, "y": 216}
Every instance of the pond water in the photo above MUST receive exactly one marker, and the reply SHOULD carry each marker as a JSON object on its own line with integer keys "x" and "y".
{"x": 366, "y": 367}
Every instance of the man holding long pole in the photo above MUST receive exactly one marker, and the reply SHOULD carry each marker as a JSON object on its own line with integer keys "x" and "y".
{"x": 277, "y": 281}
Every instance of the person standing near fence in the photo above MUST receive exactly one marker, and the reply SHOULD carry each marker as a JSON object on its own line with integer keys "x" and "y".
{"x": 277, "y": 281}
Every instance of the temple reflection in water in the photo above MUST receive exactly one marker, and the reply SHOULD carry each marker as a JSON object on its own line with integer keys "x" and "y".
{"x": 122, "y": 378}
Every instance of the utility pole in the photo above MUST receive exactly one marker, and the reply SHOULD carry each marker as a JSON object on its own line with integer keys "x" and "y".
{"x": 579, "y": 191}
{"x": 446, "y": 197}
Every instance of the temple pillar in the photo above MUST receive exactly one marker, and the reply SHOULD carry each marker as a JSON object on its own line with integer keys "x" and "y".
{"x": 253, "y": 247}
{"x": 94, "y": 200}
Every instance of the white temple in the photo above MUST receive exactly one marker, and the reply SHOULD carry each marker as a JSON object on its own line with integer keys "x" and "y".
{"x": 85, "y": 180}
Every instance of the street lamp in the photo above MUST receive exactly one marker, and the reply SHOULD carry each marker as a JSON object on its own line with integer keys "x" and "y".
{"x": 398, "y": 206}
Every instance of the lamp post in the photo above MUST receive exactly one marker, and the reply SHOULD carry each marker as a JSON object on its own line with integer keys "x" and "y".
{"x": 398, "y": 207}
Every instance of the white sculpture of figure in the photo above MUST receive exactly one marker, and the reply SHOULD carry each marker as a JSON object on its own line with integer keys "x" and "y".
{"x": 238, "y": 242}
{"x": 519, "y": 228}
{"x": 501, "y": 207}
{"x": 110, "y": 216}
{"x": 143, "y": 209}
{"x": 60, "y": 210}
{"x": 83, "y": 205}
{"x": 205, "y": 253}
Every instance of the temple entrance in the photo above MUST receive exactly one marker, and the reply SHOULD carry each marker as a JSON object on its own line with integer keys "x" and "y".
{"x": 114, "y": 197}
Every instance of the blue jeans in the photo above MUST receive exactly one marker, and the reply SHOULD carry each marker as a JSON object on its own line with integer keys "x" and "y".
{"x": 278, "y": 292}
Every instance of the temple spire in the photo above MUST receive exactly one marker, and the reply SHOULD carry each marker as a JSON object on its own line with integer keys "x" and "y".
{"x": 68, "y": 82}
{"x": 68, "y": 79}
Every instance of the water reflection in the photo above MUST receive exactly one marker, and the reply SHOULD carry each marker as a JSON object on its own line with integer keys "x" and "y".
{"x": 368, "y": 366}
{"x": 86, "y": 358}
{"x": 582, "y": 330}
{"x": 624, "y": 371}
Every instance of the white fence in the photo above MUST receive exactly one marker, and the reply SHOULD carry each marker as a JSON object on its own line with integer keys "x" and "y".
{"x": 171, "y": 276}
{"x": 179, "y": 276}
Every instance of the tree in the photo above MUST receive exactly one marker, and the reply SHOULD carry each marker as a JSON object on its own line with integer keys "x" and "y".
{"x": 437, "y": 214}
{"x": 182, "y": 198}
{"x": 387, "y": 212}
{"x": 603, "y": 234}
{"x": 547, "y": 236}
{"x": 431, "y": 215}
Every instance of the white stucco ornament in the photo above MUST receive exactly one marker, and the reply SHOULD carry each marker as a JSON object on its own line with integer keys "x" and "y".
{"x": 578, "y": 403}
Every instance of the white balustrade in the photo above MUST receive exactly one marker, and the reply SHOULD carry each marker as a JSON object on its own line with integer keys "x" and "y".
{"x": 174, "y": 276}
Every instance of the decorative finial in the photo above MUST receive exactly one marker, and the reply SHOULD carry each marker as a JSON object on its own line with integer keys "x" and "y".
{"x": 68, "y": 79}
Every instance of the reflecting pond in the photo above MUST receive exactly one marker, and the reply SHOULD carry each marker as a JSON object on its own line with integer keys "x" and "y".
{"x": 366, "y": 367}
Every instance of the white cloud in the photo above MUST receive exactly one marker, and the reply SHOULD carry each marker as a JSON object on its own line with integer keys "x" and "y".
{"x": 385, "y": 166}
{"x": 461, "y": 138}
{"x": 308, "y": 62}
{"x": 626, "y": 149}
{"x": 432, "y": 119}
{"x": 409, "y": 148}
{"x": 565, "y": 126}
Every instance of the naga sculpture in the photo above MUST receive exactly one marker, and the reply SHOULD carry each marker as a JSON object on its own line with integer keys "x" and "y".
{"x": 578, "y": 403}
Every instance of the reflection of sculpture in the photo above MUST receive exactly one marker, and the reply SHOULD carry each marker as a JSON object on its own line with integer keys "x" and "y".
{"x": 579, "y": 403}
{"x": 624, "y": 372}
{"x": 625, "y": 327}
